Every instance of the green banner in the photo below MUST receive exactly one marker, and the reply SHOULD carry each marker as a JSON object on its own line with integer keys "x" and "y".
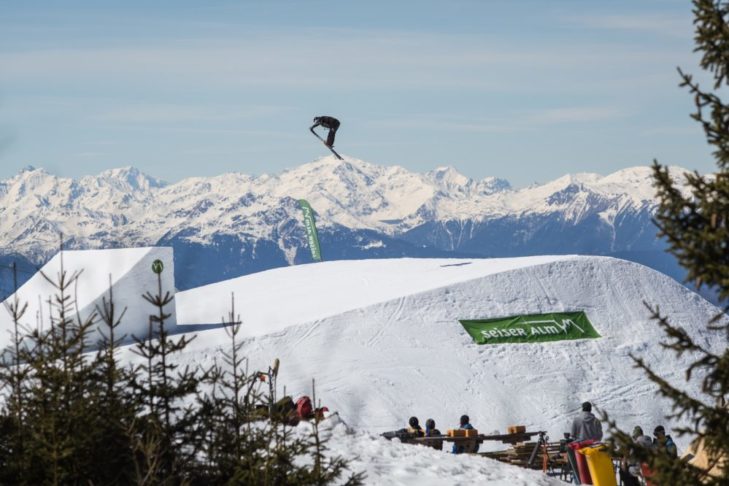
{"x": 310, "y": 226}
{"x": 533, "y": 328}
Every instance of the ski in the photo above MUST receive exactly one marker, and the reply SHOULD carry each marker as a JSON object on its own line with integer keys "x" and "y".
{"x": 327, "y": 146}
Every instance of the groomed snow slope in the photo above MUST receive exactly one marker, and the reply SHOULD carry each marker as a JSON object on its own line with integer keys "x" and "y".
{"x": 279, "y": 298}
{"x": 383, "y": 341}
{"x": 131, "y": 275}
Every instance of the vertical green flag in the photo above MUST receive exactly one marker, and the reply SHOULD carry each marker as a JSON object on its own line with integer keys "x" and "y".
{"x": 310, "y": 226}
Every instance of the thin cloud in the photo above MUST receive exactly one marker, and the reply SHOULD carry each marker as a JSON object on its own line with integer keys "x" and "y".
{"x": 359, "y": 59}
{"x": 580, "y": 114}
{"x": 667, "y": 25}
{"x": 183, "y": 113}
{"x": 510, "y": 124}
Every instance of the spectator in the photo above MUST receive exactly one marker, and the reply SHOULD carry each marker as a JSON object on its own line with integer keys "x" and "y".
{"x": 586, "y": 425}
{"x": 431, "y": 431}
{"x": 629, "y": 465}
{"x": 414, "y": 427}
{"x": 467, "y": 446}
{"x": 664, "y": 442}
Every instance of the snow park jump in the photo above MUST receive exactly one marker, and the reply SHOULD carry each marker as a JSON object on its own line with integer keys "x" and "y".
{"x": 387, "y": 339}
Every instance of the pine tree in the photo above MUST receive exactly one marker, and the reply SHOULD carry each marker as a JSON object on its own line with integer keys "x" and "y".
{"x": 14, "y": 374}
{"x": 696, "y": 227}
{"x": 163, "y": 387}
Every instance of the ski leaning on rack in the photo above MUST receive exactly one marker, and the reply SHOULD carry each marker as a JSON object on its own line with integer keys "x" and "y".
{"x": 325, "y": 144}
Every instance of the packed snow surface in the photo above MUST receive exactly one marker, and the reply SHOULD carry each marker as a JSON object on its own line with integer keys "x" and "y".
{"x": 306, "y": 293}
{"x": 384, "y": 342}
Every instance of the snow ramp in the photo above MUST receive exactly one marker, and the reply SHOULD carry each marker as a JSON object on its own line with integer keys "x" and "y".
{"x": 128, "y": 271}
{"x": 384, "y": 341}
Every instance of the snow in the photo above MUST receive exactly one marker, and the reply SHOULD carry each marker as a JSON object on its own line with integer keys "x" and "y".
{"x": 383, "y": 340}
{"x": 127, "y": 271}
{"x": 346, "y": 285}
{"x": 392, "y": 463}
{"x": 382, "y": 337}
{"x": 126, "y": 207}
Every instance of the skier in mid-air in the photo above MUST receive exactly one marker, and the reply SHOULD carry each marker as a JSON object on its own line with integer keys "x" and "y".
{"x": 327, "y": 122}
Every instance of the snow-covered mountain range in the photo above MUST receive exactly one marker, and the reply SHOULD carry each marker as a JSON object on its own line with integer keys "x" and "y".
{"x": 234, "y": 224}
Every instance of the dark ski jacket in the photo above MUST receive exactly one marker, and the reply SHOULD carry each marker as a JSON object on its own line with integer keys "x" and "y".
{"x": 435, "y": 444}
{"x": 586, "y": 426}
{"x": 669, "y": 446}
{"x": 326, "y": 122}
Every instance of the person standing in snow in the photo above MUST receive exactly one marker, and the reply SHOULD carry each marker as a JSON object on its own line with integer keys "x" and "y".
{"x": 327, "y": 122}
{"x": 629, "y": 466}
{"x": 414, "y": 427}
{"x": 431, "y": 431}
{"x": 586, "y": 425}
{"x": 467, "y": 446}
{"x": 664, "y": 442}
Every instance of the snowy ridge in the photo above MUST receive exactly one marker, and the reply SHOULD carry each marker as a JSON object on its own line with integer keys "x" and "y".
{"x": 124, "y": 207}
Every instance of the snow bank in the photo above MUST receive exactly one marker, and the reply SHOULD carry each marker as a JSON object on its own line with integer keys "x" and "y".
{"x": 392, "y": 463}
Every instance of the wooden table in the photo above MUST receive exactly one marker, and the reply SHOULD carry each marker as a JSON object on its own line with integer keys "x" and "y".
{"x": 480, "y": 438}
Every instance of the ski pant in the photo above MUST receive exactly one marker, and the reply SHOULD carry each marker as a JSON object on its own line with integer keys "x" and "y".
{"x": 627, "y": 479}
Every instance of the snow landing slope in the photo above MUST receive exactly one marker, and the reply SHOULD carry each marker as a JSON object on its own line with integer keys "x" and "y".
{"x": 384, "y": 342}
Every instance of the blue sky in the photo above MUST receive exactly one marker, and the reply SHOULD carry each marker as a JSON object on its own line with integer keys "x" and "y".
{"x": 523, "y": 90}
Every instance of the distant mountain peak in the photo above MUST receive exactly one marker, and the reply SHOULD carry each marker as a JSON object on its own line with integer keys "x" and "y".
{"x": 124, "y": 206}
{"x": 132, "y": 178}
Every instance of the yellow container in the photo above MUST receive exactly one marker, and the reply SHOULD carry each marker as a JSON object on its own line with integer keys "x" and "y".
{"x": 600, "y": 465}
{"x": 471, "y": 433}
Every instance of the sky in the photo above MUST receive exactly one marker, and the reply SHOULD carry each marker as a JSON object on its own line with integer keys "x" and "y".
{"x": 526, "y": 91}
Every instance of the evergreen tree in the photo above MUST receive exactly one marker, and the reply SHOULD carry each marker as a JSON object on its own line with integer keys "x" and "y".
{"x": 13, "y": 374}
{"x": 163, "y": 387}
{"x": 696, "y": 227}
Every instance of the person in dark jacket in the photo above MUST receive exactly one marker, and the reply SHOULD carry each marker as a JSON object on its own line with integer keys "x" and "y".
{"x": 431, "y": 431}
{"x": 327, "y": 122}
{"x": 414, "y": 427}
{"x": 466, "y": 446}
{"x": 586, "y": 425}
{"x": 664, "y": 442}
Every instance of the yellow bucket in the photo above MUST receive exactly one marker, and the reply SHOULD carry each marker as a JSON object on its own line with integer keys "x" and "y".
{"x": 600, "y": 465}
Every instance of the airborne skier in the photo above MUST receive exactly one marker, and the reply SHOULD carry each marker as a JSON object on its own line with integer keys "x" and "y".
{"x": 332, "y": 124}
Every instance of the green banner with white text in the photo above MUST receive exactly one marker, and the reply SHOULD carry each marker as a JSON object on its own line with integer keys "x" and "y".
{"x": 533, "y": 328}
{"x": 310, "y": 226}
